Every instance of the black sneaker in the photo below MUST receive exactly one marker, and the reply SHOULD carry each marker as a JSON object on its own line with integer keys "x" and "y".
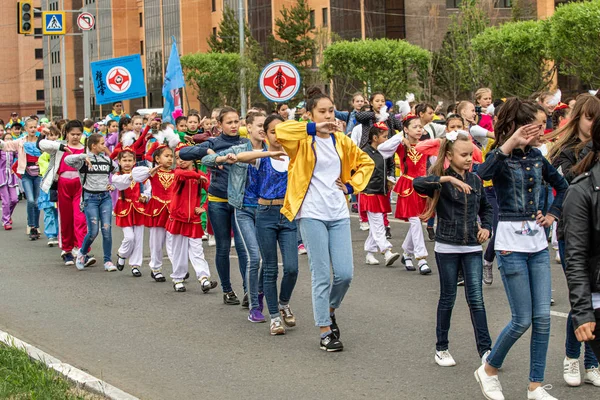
{"x": 207, "y": 285}
{"x": 33, "y": 234}
{"x": 335, "y": 329}
{"x": 461, "y": 278}
{"x": 431, "y": 233}
{"x": 245, "y": 301}
{"x": 89, "y": 261}
{"x": 69, "y": 259}
{"x": 231, "y": 299}
{"x": 330, "y": 343}
{"x": 388, "y": 232}
{"x": 158, "y": 277}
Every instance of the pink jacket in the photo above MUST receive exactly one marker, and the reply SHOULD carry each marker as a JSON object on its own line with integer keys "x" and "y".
{"x": 16, "y": 145}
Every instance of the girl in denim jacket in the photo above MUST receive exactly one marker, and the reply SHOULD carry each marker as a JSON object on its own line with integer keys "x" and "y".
{"x": 518, "y": 170}
{"x": 456, "y": 196}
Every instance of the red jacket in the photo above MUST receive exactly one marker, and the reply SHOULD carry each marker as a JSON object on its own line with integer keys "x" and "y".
{"x": 186, "y": 195}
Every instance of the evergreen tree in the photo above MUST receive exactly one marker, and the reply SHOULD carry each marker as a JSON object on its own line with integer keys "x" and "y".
{"x": 295, "y": 43}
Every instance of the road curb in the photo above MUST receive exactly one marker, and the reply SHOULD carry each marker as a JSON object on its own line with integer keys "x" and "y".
{"x": 81, "y": 379}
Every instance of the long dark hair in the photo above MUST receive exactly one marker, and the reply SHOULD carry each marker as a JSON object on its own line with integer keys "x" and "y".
{"x": 313, "y": 95}
{"x": 591, "y": 158}
{"x": 514, "y": 114}
{"x": 123, "y": 122}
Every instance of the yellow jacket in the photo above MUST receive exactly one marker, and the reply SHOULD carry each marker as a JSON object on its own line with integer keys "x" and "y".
{"x": 356, "y": 166}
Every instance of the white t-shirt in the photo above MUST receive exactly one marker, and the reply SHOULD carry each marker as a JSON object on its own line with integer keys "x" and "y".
{"x": 520, "y": 236}
{"x": 444, "y": 248}
{"x": 596, "y": 300}
{"x": 323, "y": 200}
{"x": 356, "y": 134}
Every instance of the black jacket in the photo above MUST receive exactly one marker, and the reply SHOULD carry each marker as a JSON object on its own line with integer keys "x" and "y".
{"x": 383, "y": 169}
{"x": 457, "y": 212}
{"x": 581, "y": 214}
{"x": 368, "y": 118}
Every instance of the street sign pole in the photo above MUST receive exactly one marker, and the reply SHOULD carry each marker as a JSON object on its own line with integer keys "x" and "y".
{"x": 86, "y": 74}
{"x": 241, "y": 19}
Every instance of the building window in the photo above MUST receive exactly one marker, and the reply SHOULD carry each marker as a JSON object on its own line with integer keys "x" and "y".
{"x": 39, "y": 74}
{"x": 325, "y": 18}
{"x": 141, "y": 47}
{"x": 38, "y": 33}
{"x": 141, "y": 20}
{"x": 503, "y": 4}
{"x": 312, "y": 18}
{"x": 39, "y": 95}
{"x": 39, "y": 54}
{"x": 215, "y": 31}
{"x": 214, "y": 5}
{"x": 453, "y": 3}
{"x": 40, "y": 112}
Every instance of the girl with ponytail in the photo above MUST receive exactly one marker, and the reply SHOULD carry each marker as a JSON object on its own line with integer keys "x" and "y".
{"x": 456, "y": 196}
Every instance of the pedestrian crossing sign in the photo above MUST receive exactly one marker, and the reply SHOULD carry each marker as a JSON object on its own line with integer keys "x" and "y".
{"x": 54, "y": 23}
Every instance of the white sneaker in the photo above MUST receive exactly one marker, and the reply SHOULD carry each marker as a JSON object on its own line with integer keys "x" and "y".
{"x": 490, "y": 385}
{"x": 109, "y": 266}
{"x": 211, "y": 240}
{"x": 571, "y": 371}
{"x": 557, "y": 258}
{"x": 364, "y": 226}
{"x": 444, "y": 359}
{"x": 371, "y": 260}
{"x": 232, "y": 242}
{"x": 390, "y": 258}
{"x": 592, "y": 376}
{"x": 485, "y": 356}
{"x": 540, "y": 393}
{"x": 205, "y": 237}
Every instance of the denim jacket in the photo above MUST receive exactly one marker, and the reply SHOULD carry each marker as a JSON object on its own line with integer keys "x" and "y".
{"x": 457, "y": 212}
{"x": 238, "y": 173}
{"x": 518, "y": 178}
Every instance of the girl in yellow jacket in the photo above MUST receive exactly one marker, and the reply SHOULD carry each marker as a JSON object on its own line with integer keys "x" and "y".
{"x": 325, "y": 166}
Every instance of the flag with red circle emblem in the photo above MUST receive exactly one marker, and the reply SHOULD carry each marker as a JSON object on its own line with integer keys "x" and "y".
{"x": 118, "y": 79}
{"x": 279, "y": 81}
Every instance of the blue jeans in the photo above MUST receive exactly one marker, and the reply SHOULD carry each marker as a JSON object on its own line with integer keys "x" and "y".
{"x": 472, "y": 267}
{"x": 31, "y": 186}
{"x": 245, "y": 220}
{"x": 528, "y": 286}
{"x": 572, "y": 345}
{"x": 329, "y": 245}
{"x": 221, "y": 217}
{"x": 490, "y": 195}
{"x": 51, "y": 222}
{"x": 273, "y": 227}
{"x": 97, "y": 208}
{"x": 431, "y": 222}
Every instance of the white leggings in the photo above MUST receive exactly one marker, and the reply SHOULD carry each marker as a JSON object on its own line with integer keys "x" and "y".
{"x": 158, "y": 238}
{"x": 414, "y": 243}
{"x": 181, "y": 249}
{"x": 376, "y": 242}
{"x": 132, "y": 247}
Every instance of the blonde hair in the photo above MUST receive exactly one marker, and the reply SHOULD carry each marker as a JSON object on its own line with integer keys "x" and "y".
{"x": 438, "y": 169}
{"x": 480, "y": 92}
{"x": 137, "y": 117}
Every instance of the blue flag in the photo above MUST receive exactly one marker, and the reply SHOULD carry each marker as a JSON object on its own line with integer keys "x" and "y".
{"x": 174, "y": 80}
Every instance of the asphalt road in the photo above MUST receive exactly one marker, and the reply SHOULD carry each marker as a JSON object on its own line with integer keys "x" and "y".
{"x": 146, "y": 339}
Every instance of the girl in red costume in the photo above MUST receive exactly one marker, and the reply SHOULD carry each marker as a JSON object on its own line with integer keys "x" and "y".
{"x": 130, "y": 212}
{"x": 410, "y": 205}
{"x": 161, "y": 177}
{"x": 184, "y": 237}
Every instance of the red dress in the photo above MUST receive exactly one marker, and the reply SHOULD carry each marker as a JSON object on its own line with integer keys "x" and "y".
{"x": 410, "y": 203}
{"x": 128, "y": 209}
{"x": 186, "y": 198}
{"x": 157, "y": 209}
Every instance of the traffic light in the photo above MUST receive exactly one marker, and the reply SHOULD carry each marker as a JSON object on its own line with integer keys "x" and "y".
{"x": 25, "y": 17}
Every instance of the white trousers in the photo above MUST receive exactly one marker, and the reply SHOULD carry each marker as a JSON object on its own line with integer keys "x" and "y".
{"x": 414, "y": 243}
{"x": 158, "y": 238}
{"x": 376, "y": 242}
{"x": 181, "y": 249}
{"x": 132, "y": 247}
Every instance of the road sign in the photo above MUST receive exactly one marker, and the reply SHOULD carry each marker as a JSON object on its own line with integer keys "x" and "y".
{"x": 86, "y": 21}
{"x": 118, "y": 79}
{"x": 54, "y": 23}
{"x": 279, "y": 81}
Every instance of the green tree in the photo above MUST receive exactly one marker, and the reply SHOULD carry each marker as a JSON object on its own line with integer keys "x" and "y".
{"x": 216, "y": 77}
{"x": 573, "y": 33}
{"x": 515, "y": 55}
{"x": 456, "y": 68}
{"x": 227, "y": 39}
{"x": 295, "y": 41}
{"x": 391, "y": 66}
